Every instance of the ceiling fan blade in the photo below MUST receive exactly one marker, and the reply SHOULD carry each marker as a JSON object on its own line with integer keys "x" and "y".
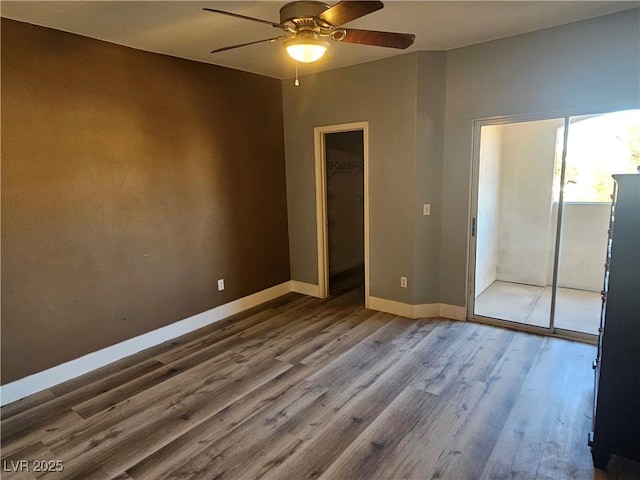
{"x": 379, "y": 39}
{"x": 244, "y": 17}
{"x": 348, "y": 10}
{"x": 249, "y": 43}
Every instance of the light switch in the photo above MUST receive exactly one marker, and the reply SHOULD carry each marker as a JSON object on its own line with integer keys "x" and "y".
{"x": 426, "y": 209}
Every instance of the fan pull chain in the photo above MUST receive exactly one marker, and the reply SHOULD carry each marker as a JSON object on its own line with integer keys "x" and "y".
{"x": 297, "y": 82}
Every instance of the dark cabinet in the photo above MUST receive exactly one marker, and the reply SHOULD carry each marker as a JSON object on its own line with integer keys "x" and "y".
{"x": 616, "y": 426}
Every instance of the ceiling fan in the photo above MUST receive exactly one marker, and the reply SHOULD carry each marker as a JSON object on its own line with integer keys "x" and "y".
{"x": 309, "y": 24}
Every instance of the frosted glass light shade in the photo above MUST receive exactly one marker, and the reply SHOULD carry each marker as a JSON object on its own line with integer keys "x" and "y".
{"x": 306, "y": 50}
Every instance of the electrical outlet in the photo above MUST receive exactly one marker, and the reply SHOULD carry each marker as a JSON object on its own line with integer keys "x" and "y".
{"x": 221, "y": 284}
{"x": 426, "y": 209}
{"x": 403, "y": 282}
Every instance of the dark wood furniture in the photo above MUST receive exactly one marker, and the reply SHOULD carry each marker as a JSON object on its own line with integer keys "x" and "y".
{"x": 616, "y": 428}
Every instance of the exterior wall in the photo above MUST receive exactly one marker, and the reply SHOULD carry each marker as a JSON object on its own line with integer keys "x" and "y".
{"x": 526, "y": 230}
{"x": 584, "y": 245}
{"x": 488, "y": 219}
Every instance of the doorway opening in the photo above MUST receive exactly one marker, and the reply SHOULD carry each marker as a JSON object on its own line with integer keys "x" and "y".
{"x": 542, "y": 206}
{"x": 342, "y": 208}
{"x": 344, "y": 159}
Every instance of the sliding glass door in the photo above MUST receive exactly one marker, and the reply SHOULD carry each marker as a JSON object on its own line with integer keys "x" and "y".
{"x": 515, "y": 228}
{"x": 541, "y": 205}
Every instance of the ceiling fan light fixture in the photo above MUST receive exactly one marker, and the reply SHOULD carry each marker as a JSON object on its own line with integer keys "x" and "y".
{"x": 306, "y": 50}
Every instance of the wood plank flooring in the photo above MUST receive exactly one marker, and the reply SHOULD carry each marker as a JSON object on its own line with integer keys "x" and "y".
{"x": 303, "y": 388}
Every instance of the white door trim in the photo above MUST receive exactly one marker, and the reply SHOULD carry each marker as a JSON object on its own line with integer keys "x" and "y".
{"x": 321, "y": 202}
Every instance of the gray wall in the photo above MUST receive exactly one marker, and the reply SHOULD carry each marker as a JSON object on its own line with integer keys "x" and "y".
{"x": 430, "y": 134}
{"x": 488, "y": 217}
{"x": 586, "y": 65}
{"x": 131, "y": 182}
{"x": 420, "y": 155}
{"x": 383, "y": 93}
{"x": 406, "y": 122}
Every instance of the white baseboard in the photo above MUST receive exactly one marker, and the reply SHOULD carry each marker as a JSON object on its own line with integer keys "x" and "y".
{"x": 453, "y": 312}
{"x": 391, "y": 306}
{"x": 305, "y": 288}
{"x": 53, "y": 376}
{"x": 425, "y": 310}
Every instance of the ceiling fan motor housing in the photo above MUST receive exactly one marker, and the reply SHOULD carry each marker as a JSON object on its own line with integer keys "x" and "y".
{"x": 301, "y": 10}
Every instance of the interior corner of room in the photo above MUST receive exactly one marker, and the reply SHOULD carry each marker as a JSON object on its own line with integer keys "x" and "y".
{"x": 133, "y": 182}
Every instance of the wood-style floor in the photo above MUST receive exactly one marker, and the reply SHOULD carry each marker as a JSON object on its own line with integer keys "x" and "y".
{"x": 304, "y": 388}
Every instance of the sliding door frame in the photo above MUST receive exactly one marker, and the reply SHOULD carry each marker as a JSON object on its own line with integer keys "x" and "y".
{"x": 473, "y": 215}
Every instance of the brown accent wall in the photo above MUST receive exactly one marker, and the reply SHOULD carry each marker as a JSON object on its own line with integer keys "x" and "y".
{"x": 131, "y": 182}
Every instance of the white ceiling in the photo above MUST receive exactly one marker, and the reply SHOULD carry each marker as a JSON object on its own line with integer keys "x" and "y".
{"x": 183, "y": 29}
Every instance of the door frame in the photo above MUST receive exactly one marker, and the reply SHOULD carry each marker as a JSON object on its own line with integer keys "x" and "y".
{"x": 321, "y": 201}
{"x": 473, "y": 212}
